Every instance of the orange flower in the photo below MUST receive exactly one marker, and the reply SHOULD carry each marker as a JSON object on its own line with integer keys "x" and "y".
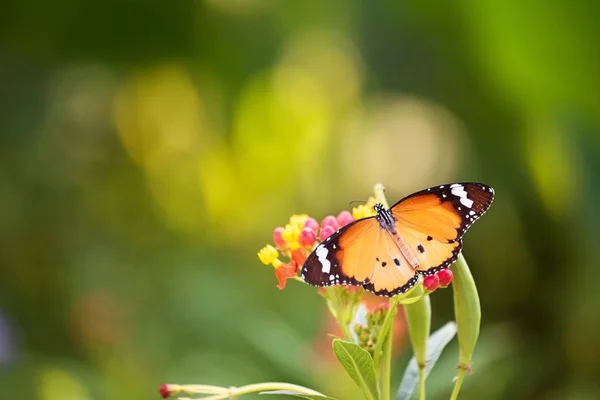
{"x": 283, "y": 273}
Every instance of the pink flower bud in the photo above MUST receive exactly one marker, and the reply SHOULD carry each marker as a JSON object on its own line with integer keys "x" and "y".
{"x": 312, "y": 224}
{"x": 307, "y": 237}
{"x": 165, "y": 391}
{"x": 431, "y": 282}
{"x": 445, "y": 277}
{"x": 326, "y": 231}
{"x": 344, "y": 218}
{"x": 278, "y": 239}
{"x": 329, "y": 221}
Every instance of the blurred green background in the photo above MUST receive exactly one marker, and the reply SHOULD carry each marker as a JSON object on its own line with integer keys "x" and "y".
{"x": 148, "y": 149}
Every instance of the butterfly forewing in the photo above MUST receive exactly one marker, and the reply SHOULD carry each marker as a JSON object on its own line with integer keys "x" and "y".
{"x": 433, "y": 221}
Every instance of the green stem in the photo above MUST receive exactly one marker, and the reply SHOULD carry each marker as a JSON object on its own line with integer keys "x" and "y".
{"x": 226, "y": 393}
{"x": 341, "y": 314}
{"x": 421, "y": 383}
{"x": 345, "y": 330}
{"x": 385, "y": 330}
{"x": 386, "y": 367}
{"x": 418, "y": 317}
{"x": 458, "y": 383}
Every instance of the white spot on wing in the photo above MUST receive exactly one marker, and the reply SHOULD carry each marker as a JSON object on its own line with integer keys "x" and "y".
{"x": 466, "y": 202}
{"x": 322, "y": 256}
{"x": 459, "y": 191}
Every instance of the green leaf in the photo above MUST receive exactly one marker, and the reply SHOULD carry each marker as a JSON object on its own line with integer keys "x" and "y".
{"x": 436, "y": 343}
{"x": 298, "y": 394}
{"x": 359, "y": 365}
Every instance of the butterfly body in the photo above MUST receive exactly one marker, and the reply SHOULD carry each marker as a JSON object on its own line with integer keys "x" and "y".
{"x": 420, "y": 234}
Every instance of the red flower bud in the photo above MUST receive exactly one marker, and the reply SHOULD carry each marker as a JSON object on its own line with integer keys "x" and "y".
{"x": 165, "y": 391}
{"x": 326, "y": 231}
{"x": 329, "y": 221}
{"x": 307, "y": 237}
{"x": 312, "y": 224}
{"x": 278, "y": 239}
{"x": 445, "y": 277}
{"x": 344, "y": 218}
{"x": 431, "y": 282}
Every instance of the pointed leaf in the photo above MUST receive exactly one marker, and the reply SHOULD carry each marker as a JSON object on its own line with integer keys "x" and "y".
{"x": 298, "y": 394}
{"x": 359, "y": 365}
{"x": 436, "y": 343}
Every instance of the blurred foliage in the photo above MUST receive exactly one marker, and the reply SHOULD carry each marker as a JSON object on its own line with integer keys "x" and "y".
{"x": 147, "y": 149}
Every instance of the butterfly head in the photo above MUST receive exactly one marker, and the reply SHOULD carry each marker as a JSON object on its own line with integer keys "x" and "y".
{"x": 379, "y": 208}
{"x": 384, "y": 216}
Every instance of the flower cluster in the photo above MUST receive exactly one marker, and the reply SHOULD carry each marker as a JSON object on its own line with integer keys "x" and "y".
{"x": 297, "y": 239}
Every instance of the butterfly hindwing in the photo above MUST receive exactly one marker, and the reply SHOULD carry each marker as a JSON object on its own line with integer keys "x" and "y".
{"x": 392, "y": 273}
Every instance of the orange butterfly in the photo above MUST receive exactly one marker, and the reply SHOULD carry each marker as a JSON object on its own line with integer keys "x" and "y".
{"x": 420, "y": 234}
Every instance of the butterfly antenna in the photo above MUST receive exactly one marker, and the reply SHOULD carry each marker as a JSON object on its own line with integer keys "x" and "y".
{"x": 361, "y": 201}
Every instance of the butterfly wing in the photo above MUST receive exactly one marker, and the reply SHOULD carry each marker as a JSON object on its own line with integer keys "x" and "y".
{"x": 344, "y": 258}
{"x": 433, "y": 221}
{"x": 392, "y": 273}
{"x": 362, "y": 253}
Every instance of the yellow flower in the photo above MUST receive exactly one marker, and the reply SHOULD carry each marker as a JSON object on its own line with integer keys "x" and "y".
{"x": 298, "y": 220}
{"x": 291, "y": 233}
{"x": 268, "y": 254}
{"x": 364, "y": 210}
{"x": 277, "y": 263}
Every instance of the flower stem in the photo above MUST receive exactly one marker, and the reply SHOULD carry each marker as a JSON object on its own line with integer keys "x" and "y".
{"x": 421, "y": 383}
{"x": 385, "y": 330}
{"x": 340, "y": 312}
{"x": 458, "y": 383}
{"x": 345, "y": 331}
{"x": 232, "y": 392}
{"x": 386, "y": 367}
{"x": 418, "y": 318}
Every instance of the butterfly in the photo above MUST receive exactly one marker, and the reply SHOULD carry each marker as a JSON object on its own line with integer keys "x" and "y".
{"x": 419, "y": 235}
